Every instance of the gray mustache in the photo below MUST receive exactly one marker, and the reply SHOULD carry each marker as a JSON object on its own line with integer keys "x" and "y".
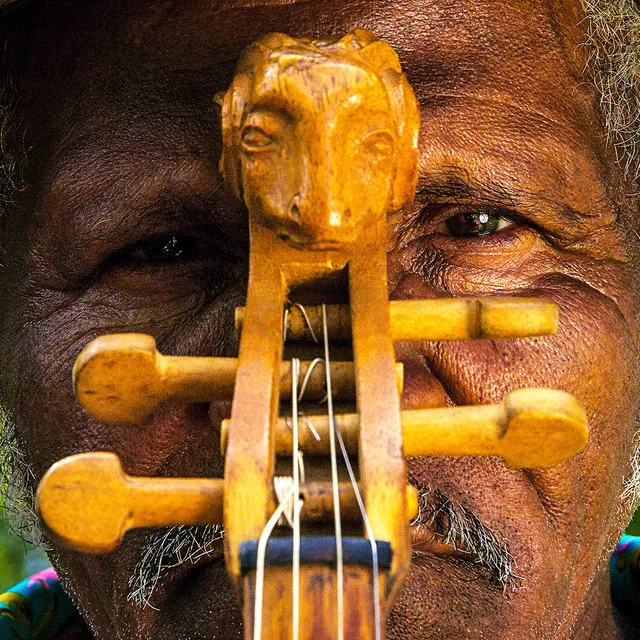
{"x": 454, "y": 523}
{"x": 166, "y": 550}
{"x": 458, "y": 526}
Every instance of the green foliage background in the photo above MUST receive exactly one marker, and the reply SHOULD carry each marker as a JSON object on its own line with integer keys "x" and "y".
{"x": 634, "y": 526}
{"x": 17, "y": 559}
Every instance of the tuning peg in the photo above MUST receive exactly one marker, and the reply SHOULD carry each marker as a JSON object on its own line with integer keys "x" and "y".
{"x": 88, "y": 503}
{"x": 436, "y": 319}
{"x": 122, "y": 378}
{"x": 530, "y": 428}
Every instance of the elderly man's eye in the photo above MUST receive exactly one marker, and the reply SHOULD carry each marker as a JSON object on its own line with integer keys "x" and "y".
{"x": 479, "y": 222}
{"x": 168, "y": 248}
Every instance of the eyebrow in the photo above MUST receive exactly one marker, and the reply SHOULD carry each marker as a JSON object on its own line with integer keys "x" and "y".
{"x": 453, "y": 182}
{"x": 456, "y": 183}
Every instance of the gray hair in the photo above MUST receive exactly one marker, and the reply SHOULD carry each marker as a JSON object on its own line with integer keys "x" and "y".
{"x": 613, "y": 39}
{"x": 12, "y": 149}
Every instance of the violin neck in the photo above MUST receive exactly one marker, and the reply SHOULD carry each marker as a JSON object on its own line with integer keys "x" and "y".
{"x": 318, "y": 618}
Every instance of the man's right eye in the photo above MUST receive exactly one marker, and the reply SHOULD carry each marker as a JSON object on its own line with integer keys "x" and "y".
{"x": 172, "y": 262}
{"x": 164, "y": 249}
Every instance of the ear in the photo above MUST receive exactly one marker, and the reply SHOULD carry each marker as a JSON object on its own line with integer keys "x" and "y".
{"x": 383, "y": 58}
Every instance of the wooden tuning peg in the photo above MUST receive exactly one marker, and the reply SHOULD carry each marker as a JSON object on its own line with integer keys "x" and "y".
{"x": 122, "y": 378}
{"x": 530, "y": 428}
{"x": 88, "y": 503}
{"x": 437, "y": 319}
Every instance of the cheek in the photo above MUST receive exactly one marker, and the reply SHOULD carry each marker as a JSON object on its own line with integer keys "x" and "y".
{"x": 562, "y": 521}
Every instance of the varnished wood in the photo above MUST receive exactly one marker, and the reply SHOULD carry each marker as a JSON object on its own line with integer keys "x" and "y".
{"x": 106, "y": 502}
{"x": 88, "y": 503}
{"x": 122, "y": 378}
{"x": 320, "y": 140}
{"x": 438, "y": 319}
{"x": 531, "y": 428}
{"x": 318, "y": 597}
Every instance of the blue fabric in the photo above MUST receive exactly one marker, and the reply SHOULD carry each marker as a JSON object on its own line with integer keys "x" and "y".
{"x": 38, "y": 609}
{"x": 625, "y": 575}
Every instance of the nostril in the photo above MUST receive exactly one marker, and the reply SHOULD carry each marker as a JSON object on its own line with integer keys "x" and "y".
{"x": 294, "y": 212}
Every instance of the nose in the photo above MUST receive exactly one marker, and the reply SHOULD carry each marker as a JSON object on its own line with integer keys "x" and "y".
{"x": 313, "y": 219}
{"x": 422, "y": 390}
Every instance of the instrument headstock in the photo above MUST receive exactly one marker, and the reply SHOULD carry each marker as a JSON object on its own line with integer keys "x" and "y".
{"x": 320, "y": 140}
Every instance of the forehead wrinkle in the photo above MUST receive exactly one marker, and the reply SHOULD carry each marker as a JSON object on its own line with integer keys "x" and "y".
{"x": 528, "y": 142}
{"x": 458, "y": 183}
{"x": 89, "y": 179}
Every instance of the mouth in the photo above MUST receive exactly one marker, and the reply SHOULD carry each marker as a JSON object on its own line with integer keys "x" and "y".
{"x": 447, "y": 529}
{"x": 443, "y": 529}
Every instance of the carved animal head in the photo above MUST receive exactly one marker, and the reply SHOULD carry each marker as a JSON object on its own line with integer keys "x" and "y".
{"x": 320, "y": 138}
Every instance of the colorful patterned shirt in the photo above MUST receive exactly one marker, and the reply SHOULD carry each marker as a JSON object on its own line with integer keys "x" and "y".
{"x": 38, "y": 608}
{"x": 625, "y": 575}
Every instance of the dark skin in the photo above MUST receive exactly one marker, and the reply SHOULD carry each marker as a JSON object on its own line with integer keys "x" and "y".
{"x": 124, "y": 144}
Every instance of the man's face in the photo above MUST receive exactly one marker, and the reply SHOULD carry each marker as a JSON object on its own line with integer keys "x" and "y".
{"x": 125, "y": 226}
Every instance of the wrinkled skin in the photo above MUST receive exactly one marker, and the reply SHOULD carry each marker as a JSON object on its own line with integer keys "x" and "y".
{"x": 124, "y": 145}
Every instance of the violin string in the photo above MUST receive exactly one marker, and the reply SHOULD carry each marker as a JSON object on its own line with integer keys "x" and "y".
{"x": 365, "y": 518}
{"x": 283, "y": 486}
{"x": 285, "y": 323}
{"x": 297, "y": 503}
{"x": 284, "y": 509}
{"x": 260, "y": 564}
{"x": 305, "y": 380}
{"x": 370, "y": 535}
{"x": 311, "y": 428}
{"x": 305, "y": 315}
{"x": 334, "y": 479}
